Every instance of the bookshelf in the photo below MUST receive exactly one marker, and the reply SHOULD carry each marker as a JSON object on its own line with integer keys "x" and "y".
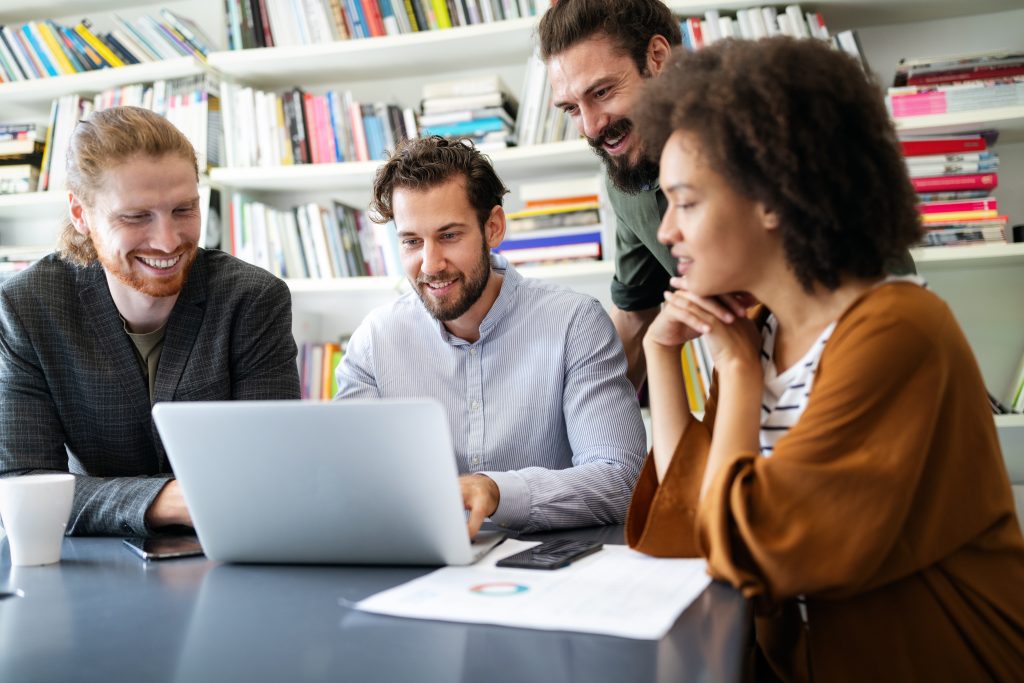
{"x": 981, "y": 283}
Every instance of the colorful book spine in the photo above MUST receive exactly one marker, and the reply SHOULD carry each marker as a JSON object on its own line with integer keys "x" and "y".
{"x": 82, "y": 29}
{"x": 970, "y": 181}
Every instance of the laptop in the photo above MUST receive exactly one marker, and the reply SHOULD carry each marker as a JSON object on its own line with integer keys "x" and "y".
{"x": 309, "y": 482}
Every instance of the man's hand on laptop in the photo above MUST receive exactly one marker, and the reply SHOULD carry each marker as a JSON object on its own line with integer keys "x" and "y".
{"x": 168, "y": 507}
{"x": 480, "y": 495}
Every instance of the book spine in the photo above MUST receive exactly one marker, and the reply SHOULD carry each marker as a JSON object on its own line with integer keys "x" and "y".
{"x": 35, "y": 45}
{"x": 988, "y": 204}
{"x": 374, "y": 21}
{"x": 55, "y": 49}
{"x": 82, "y": 29}
{"x": 943, "y": 145}
{"x": 955, "y": 182}
{"x": 441, "y": 15}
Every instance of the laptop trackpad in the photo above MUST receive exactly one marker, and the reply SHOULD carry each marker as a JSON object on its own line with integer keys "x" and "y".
{"x": 484, "y": 541}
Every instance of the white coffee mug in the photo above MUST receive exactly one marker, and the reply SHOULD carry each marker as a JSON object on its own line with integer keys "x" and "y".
{"x": 35, "y": 509}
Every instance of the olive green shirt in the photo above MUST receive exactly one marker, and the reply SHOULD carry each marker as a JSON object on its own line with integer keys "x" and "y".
{"x": 147, "y": 349}
{"x": 642, "y": 264}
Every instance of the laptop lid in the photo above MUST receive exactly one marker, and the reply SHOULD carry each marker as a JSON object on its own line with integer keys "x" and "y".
{"x": 350, "y": 482}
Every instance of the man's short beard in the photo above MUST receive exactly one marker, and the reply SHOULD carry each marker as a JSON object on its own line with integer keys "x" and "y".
{"x": 474, "y": 283}
{"x": 627, "y": 177}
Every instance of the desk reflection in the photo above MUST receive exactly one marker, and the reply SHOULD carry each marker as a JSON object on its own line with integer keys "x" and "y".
{"x": 247, "y": 620}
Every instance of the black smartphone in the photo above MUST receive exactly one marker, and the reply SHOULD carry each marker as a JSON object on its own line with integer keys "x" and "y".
{"x": 553, "y": 554}
{"x": 164, "y": 547}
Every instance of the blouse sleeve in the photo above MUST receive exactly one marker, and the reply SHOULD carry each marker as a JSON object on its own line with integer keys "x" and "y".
{"x": 824, "y": 512}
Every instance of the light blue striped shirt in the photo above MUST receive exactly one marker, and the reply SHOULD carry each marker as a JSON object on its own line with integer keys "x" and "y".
{"x": 540, "y": 403}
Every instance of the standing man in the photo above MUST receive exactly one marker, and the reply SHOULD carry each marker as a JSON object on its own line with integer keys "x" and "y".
{"x": 130, "y": 311}
{"x": 599, "y": 53}
{"x": 546, "y": 427}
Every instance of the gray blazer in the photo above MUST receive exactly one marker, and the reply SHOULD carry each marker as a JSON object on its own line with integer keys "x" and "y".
{"x": 73, "y": 396}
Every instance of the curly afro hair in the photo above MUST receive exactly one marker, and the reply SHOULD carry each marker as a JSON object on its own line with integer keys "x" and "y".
{"x": 797, "y": 126}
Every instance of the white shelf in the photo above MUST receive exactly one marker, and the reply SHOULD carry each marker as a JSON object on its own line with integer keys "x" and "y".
{"x": 1011, "y": 438}
{"x": 512, "y": 164}
{"x": 31, "y": 205}
{"x": 14, "y": 11}
{"x": 346, "y": 285}
{"x": 969, "y": 256}
{"x": 40, "y": 91}
{"x": 1009, "y": 121}
{"x": 413, "y": 54}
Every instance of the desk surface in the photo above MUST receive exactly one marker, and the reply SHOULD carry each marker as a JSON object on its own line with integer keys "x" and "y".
{"x": 103, "y": 614}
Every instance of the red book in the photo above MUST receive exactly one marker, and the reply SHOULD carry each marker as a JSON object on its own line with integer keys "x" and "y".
{"x": 373, "y": 18}
{"x": 268, "y": 38}
{"x": 986, "y": 204}
{"x": 698, "y": 35}
{"x": 947, "y": 183}
{"x": 975, "y": 74}
{"x": 312, "y": 127}
{"x": 959, "y": 143}
{"x": 355, "y": 114}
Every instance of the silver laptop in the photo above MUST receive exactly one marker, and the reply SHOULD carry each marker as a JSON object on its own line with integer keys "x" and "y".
{"x": 350, "y": 482}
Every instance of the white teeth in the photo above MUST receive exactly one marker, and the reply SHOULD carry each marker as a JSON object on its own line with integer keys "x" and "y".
{"x": 159, "y": 263}
{"x": 439, "y": 285}
{"x": 612, "y": 143}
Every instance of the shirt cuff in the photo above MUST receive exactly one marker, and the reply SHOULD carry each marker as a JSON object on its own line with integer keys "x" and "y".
{"x": 514, "y": 505}
{"x": 132, "y": 515}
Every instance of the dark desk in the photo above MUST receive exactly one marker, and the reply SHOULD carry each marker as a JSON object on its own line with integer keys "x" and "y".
{"x": 103, "y": 614}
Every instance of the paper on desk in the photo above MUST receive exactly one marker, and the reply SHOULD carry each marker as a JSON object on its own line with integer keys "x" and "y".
{"x": 616, "y": 591}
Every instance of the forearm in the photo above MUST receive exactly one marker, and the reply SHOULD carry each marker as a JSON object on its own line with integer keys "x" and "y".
{"x": 670, "y": 413}
{"x": 535, "y": 498}
{"x": 737, "y": 421}
{"x": 631, "y": 326}
{"x": 113, "y": 506}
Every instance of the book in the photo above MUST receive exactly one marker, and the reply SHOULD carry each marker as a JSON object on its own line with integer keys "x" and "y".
{"x": 969, "y": 181}
{"x": 943, "y": 145}
{"x": 935, "y": 207}
{"x": 973, "y": 96}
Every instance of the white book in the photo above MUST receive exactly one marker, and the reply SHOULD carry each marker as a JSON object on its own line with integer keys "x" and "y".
{"x": 757, "y": 25}
{"x": 711, "y": 26}
{"x": 797, "y": 21}
{"x": 318, "y": 21}
{"x": 479, "y": 85}
{"x": 155, "y": 39}
{"x": 308, "y": 246}
{"x": 770, "y": 18}
{"x": 727, "y": 27}
{"x": 275, "y": 243}
{"x": 786, "y": 26}
{"x": 323, "y": 252}
{"x": 132, "y": 45}
{"x": 557, "y": 188}
{"x": 743, "y": 19}
{"x": 282, "y": 27}
{"x": 299, "y": 22}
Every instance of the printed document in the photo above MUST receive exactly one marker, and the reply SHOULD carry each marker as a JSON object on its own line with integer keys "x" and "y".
{"x": 616, "y": 591}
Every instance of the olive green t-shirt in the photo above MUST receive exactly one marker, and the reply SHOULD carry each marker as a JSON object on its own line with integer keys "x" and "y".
{"x": 147, "y": 349}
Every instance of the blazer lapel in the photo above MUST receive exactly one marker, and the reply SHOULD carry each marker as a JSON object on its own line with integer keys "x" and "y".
{"x": 182, "y": 331}
{"x": 111, "y": 337}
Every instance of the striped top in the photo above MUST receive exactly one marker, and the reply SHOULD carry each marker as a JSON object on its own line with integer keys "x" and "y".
{"x": 540, "y": 403}
{"x": 785, "y": 395}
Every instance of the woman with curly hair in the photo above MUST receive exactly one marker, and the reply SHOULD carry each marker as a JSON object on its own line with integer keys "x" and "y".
{"x": 846, "y": 474}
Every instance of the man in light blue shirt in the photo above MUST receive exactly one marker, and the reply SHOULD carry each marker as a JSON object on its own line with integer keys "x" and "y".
{"x": 546, "y": 427}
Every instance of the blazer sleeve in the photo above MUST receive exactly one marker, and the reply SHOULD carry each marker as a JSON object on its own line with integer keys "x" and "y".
{"x": 781, "y": 526}
{"x": 263, "y": 348}
{"x": 32, "y": 439}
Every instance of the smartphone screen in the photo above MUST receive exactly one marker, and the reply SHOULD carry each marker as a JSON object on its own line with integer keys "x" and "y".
{"x": 552, "y": 554}
{"x": 164, "y": 547}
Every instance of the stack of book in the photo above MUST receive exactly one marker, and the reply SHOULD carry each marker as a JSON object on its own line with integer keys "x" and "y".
{"x": 538, "y": 121}
{"x": 41, "y": 49}
{"x": 21, "y": 154}
{"x": 944, "y": 85}
{"x": 479, "y": 109}
{"x": 278, "y": 23}
{"x": 311, "y": 241}
{"x": 317, "y": 365}
{"x": 954, "y": 176}
{"x": 697, "y": 368}
{"x": 190, "y": 103}
{"x": 297, "y": 127}
{"x": 561, "y": 221}
{"x": 762, "y": 22}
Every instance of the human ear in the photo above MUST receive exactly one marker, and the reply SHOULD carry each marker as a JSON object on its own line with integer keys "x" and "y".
{"x": 658, "y": 52}
{"x": 769, "y": 217}
{"x": 77, "y": 213}
{"x": 494, "y": 228}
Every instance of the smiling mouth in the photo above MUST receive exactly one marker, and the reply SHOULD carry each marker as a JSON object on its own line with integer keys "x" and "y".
{"x": 160, "y": 263}
{"x": 615, "y": 145}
